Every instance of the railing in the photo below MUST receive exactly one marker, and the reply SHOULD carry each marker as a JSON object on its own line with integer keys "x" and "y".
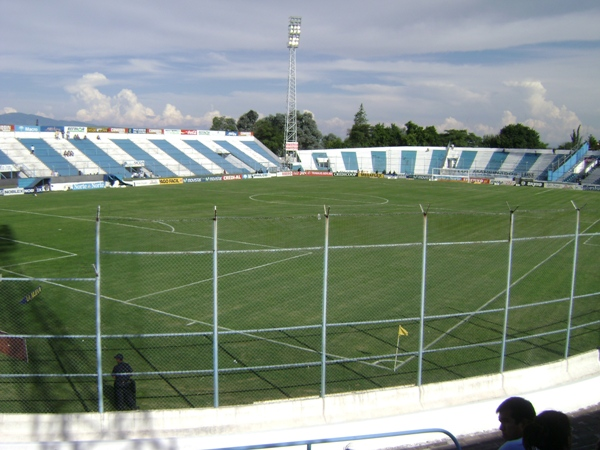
{"x": 310, "y": 442}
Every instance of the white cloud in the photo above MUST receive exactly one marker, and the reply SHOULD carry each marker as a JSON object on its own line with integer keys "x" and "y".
{"x": 553, "y": 122}
{"x": 508, "y": 118}
{"x": 125, "y": 108}
{"x": 8, "y": 109}
{"x": 450, "y": 123}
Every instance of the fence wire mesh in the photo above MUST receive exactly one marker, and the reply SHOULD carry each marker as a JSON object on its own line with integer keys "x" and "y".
{"x": 234, "y": 310}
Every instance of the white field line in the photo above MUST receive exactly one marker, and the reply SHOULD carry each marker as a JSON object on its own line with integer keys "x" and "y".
{"x": 206, "y": 280}
{"x": 469, "y": 317}
{"x": 67, "y": 254}
{"x": 191, "y": 321}
{"x": 108, "y": 222}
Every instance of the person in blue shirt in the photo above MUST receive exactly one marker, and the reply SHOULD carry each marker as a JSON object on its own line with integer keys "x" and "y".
{"x": 514, "y": 414}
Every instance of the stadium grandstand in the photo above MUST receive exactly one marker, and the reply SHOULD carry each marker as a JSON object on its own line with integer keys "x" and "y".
{"x": 37, "y": 157}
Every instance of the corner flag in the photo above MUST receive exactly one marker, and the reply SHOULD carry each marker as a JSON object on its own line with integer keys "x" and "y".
{"x": 402, "y": 331}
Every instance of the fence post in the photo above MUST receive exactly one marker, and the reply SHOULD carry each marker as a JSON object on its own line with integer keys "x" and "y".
{"x": 215, "y": 316}
{"x": 324, "y": 316}
{"x": 423, "y": 286}
{"x": 508, "y": 283}
{"x": 573, "y": 277}
{"x": 98, "y": 322}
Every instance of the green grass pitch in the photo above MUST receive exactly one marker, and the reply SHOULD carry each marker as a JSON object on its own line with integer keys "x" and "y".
{"x": 157, "y": 296}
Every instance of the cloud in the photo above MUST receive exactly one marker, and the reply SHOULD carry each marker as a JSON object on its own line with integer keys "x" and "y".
{"x": 508, "y": 118}
{"x": 8, "y": 109}
{"x": 450, "y": 123}
{"x": 554, "y": 122}
{"x": 125, "y": 108}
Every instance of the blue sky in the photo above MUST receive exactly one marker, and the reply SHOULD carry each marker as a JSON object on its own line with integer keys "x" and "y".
{"x": 467, "y": 64}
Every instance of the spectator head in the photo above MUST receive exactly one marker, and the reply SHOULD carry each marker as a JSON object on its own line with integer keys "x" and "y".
{"x": 514, "y": 414}
{"x": 551, "y": 430}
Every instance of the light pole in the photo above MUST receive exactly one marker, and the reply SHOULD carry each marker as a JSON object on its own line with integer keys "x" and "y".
{"x": 291, "y": 130}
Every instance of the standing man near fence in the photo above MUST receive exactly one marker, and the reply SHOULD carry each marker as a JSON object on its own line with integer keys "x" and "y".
{"x": 124, "y": 385}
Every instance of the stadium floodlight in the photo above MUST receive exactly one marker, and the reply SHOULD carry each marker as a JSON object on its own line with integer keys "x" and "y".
{"x": 291, "y": 130}
{"x": 294, "y": 32}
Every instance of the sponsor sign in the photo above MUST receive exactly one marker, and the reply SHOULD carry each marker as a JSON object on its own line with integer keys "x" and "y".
{"x": 50, "y": 129}
{"x": 37, "y": 291}
{"x": 203, "y": 132}
{"x": 7, "y": 128}
{"x": 573, "y": 187}
{"x": 88, "y": 185}
{"x": 530, "y": 183}
{"x": 8, "y": 168}
{"x": 287, "y": 173}
{"x": 217, "y": 133}
{"x": 370, "y": 175}
{"x": 291, "y": 146}
{"x": 75, "y": 129}
{"x": 97, "y": 130}
{"x": 172, "y": 131}
{"x": 313, "y": 173}
{"x": 260, "y": 175}
{"x": 117, "y": 130}
{"x": 154, "y": 131}
{"x": 231, "y": 133}
{"x": 480, "y": 180}
{"x": 149, "y": 182}
{"x": 170, "y": 180}
{"x": 137, "y": 130}
{"x": 344, "y": 174}
{"x": 591, "y": 187}
{"x": 13, "y": 191}
{"x": 245, "y": 133}
{"x": 28, "y": 128}
{"x": 189, "y": 132}
{"x": 202, "y": 179}
{"x": 134, "y": 163}
{"x": 231, "y": 177}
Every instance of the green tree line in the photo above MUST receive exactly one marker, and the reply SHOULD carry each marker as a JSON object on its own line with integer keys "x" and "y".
{"x": 270, "y": 131}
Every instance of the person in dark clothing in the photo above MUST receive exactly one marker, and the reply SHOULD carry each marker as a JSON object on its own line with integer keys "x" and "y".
{"x": 124, "y": 385}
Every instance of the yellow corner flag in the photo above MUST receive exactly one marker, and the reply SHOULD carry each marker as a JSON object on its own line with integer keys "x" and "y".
{"x": 402, "y": 331}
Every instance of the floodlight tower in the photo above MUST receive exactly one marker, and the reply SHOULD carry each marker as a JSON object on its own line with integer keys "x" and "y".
{"x": 291, "y": 129}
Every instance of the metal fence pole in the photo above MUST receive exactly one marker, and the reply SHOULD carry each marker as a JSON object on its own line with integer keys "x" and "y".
{"x": 215, "y": 316}
{"x": 423, "y": 286}
{"x": 573, "y": 278}
{"x": 98, "y": 322}
{"x": 324, "y": 317}
{"x": 508, "y": 283}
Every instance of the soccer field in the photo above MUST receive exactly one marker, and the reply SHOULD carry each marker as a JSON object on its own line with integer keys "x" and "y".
{"x": 283, "y": 270}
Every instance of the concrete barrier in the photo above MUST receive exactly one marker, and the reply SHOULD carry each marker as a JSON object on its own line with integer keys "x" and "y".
{"x": 462, "y": 407}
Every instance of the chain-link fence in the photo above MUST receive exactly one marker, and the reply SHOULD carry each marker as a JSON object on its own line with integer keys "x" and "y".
{"x": 232, "y": 310}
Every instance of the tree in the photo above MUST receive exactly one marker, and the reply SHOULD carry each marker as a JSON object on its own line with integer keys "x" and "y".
{"x": 309, "y": 136}
{"x": 518, "y": 136}
{"x": 270, "y": 131}
{"x": 593, "y": 143}
{"x": 360, "y": 133}
{"x": 460, "y": 138}
{"x": 332, "y": 141}
{"x": 246, "y": 121}
{"x": 360, "y": 118}
{"x": 223, "y": 123}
